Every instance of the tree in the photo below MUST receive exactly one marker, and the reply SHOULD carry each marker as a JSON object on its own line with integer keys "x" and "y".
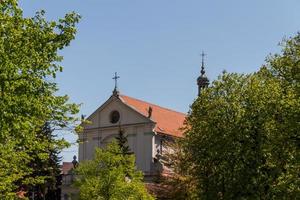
{"x": 242, "y": 133}
{"x": 123, "y": 142}
{"x": 284, "y": 68}
{"x": 49, "y": 169}
{"x": 178, "y": 183}
{"x": 29, "y": 62}
{"x": 107, "y": 177}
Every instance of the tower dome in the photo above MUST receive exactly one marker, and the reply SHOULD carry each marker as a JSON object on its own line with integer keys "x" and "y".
{"x": 202, "y": 80}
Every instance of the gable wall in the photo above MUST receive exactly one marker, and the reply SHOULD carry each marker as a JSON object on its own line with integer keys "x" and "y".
{"x": 138, "y": 128}
{"x": 101, "y": 118}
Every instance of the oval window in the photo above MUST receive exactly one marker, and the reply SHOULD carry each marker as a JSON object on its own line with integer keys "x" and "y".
{"x": 114, "y": 117}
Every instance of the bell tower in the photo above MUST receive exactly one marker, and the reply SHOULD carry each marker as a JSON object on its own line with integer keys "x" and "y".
{"x": 202, "y": 80}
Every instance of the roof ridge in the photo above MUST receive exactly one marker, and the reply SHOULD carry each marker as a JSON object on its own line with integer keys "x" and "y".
{"x": 154, "y": 105}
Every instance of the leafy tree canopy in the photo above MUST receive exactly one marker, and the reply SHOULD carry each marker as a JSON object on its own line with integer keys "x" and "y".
{"x": 242, "y": 133}
{"x": 29, "y": 61}
{"x": 111, "y": 175}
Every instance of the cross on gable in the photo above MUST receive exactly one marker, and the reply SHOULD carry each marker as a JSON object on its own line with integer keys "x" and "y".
{"x": 116, "y": 77}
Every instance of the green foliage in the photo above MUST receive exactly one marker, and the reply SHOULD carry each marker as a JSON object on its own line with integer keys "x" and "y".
{"x": 46, "y": 169}
{"x": 243, "y": 132}
{"x": 106, "y": 177}
{"x": 180, "y": 183}
{"x": 28, "y": 65}
{"x": 123, "y": 142}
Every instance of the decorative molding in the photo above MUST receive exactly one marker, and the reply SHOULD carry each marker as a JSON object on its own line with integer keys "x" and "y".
{"x": 131, "y": 135}
{"x": 149, "y": 133}
{"x": 96, "y": 138}
{"x": 116, "y": 126}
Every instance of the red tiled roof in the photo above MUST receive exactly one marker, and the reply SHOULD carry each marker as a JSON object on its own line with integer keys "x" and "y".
{"x": 167, "y": 121}
{"x": 66, "y": 167}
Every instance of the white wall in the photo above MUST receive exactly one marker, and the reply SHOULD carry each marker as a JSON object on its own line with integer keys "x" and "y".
{"x": 139, "y": 131}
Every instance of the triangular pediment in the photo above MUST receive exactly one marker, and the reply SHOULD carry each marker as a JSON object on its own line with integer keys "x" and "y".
{"x": 102, "y": 117}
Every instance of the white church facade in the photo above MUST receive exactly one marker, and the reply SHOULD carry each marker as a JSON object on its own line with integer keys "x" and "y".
{"x": 147, "y": 127}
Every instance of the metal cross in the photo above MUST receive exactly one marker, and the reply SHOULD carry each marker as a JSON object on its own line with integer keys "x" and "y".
{"x": 116, "y": 77}
{"x": 202, "y": 67}
{"x": 202, "y": 55}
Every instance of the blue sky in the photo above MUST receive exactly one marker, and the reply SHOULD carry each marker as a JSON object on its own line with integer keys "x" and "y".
{"x": 155, "y": 45}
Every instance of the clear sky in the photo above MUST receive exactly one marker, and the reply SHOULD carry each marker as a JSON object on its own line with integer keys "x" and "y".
{"x": 155, "y": 45}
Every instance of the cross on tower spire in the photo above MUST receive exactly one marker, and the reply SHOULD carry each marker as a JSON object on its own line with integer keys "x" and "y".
{"x": 202, "y": 66}
{"x": 116, "y": 77}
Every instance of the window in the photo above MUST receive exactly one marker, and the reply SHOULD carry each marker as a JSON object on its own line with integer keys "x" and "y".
{"x": 114, "y": 117}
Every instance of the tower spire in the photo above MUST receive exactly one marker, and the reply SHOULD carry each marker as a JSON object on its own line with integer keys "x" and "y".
{"x": 202, "y": 80}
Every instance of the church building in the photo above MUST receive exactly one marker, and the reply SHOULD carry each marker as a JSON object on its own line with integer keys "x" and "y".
{"x": 147, "y": 127}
